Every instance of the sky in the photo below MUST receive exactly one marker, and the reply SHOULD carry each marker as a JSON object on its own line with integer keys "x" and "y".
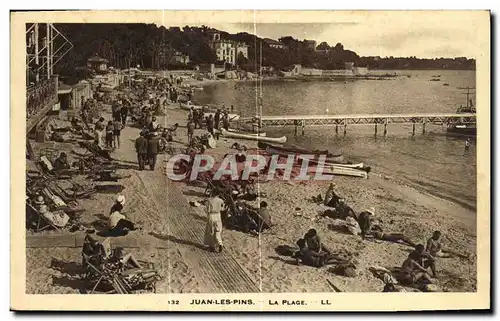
{"x": 425, "y": 35}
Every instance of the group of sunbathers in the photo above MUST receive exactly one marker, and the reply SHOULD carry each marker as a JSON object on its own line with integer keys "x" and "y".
{"x": 414, "y": 270}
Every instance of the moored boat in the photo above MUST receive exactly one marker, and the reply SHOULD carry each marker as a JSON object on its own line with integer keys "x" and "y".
{"x": 232, "y": 130}
{"x": 293, "y": 149}
{"x": 463, "y": 128}
{"x": 228, "y": 134}
{"x": 345, "y": 171}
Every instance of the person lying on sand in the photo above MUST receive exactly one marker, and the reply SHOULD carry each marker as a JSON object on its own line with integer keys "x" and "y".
{"x": 312, "y": 258}
{"x": 377, "y": 232}
{"x": 313, "y": 242}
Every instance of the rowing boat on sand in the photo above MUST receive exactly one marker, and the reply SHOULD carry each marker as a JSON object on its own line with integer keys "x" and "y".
{"x": 296, "y": 150}
{"x": 345, "y": 171}
{"x": 252, "y": 136}
{"x": 232, "y": 130}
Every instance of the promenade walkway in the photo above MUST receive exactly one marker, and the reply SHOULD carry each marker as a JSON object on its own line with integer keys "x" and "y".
{"x": 216, "y": 272}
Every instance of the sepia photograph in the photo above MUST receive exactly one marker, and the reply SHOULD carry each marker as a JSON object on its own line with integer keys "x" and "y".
{"x": 214, "y": 157}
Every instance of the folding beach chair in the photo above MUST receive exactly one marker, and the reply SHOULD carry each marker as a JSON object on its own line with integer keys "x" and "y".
{"x": 41, "y": 223}
{"x": 44, "y": 165}
{"x": 77, "y": 192}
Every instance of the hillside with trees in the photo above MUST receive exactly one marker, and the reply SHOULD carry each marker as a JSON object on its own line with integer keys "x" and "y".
{"x": 152, "y": 47}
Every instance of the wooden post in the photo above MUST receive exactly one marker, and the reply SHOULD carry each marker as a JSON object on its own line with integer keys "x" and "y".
{"x": 385, "y": 128}
{"x": 423, "y": 128}
{"x": 296, "y": 123}
{"x": 345, "y": 127}
{"x": 376, "y": 128}
{"x": 295, "y": 129}
{"x": 413, "y": 133}
{"x": 336, "y": 128}
{"x": 303, "y": 126}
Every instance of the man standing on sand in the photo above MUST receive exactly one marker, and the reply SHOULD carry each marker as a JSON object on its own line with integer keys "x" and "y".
{"x": 141, "y": 147}
{"x": 153, "y": 148}
{"x": 118, "y": 126}
{"x": 190, "y": 127}
{"x": 467, "y": 146}
{"x": 213, "y": 229}
{"x": 210, "y": 124}
{"x": 124, "y": 114}
{"x": 225, "y": 122}
{"x": 195, "y": 120}
{"x": 217, "y": 119}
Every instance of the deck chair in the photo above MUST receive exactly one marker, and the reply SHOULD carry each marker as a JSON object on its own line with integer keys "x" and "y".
{"x": 59, "y": 204}
{"x": 41, "y": 223}
{"x": 77, "y": 192}
{"x": 44, "y": 165}
{"x": 93, "y": 258}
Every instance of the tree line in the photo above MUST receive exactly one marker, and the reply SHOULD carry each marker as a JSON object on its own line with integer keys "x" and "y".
{"x": 150, "y": 46}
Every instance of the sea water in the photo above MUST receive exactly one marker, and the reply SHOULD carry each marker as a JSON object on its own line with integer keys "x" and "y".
{"x": 432, "y": 161}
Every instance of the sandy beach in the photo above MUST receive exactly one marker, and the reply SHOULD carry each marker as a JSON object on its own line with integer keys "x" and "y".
{"x": 162, "y": 207}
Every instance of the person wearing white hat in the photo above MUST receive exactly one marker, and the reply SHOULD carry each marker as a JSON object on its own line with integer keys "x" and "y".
{"x": 119, "y": 225}
{"x": 58, "y": 218}
{"x": 118, "y": 205}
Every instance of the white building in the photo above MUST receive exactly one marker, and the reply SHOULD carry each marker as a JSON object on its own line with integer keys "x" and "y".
{"x": 275, "y": 44}
{"x": 227, "y": 50}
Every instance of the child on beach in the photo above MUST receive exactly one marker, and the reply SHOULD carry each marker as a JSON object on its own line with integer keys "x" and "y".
{"x": 109, "y": 134}
{"x": 117, "y": 128}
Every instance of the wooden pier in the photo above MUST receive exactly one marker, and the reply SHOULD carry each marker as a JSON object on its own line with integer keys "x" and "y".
{"x": 377, "y": 119}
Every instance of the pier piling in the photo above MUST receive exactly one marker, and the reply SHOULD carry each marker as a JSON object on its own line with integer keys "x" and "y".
{"x": 303, "y": 127}
{"x": 336, "y": 128}
{"x": 423, "y": 128}
{"x": 385, "y": 128}
{"x": 413, "y": 133}
{"x": 345, "y": 128}
{"x": 376, "y": 128}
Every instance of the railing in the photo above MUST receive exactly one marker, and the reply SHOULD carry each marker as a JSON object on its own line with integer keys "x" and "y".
{"x": 39, "y": 95}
